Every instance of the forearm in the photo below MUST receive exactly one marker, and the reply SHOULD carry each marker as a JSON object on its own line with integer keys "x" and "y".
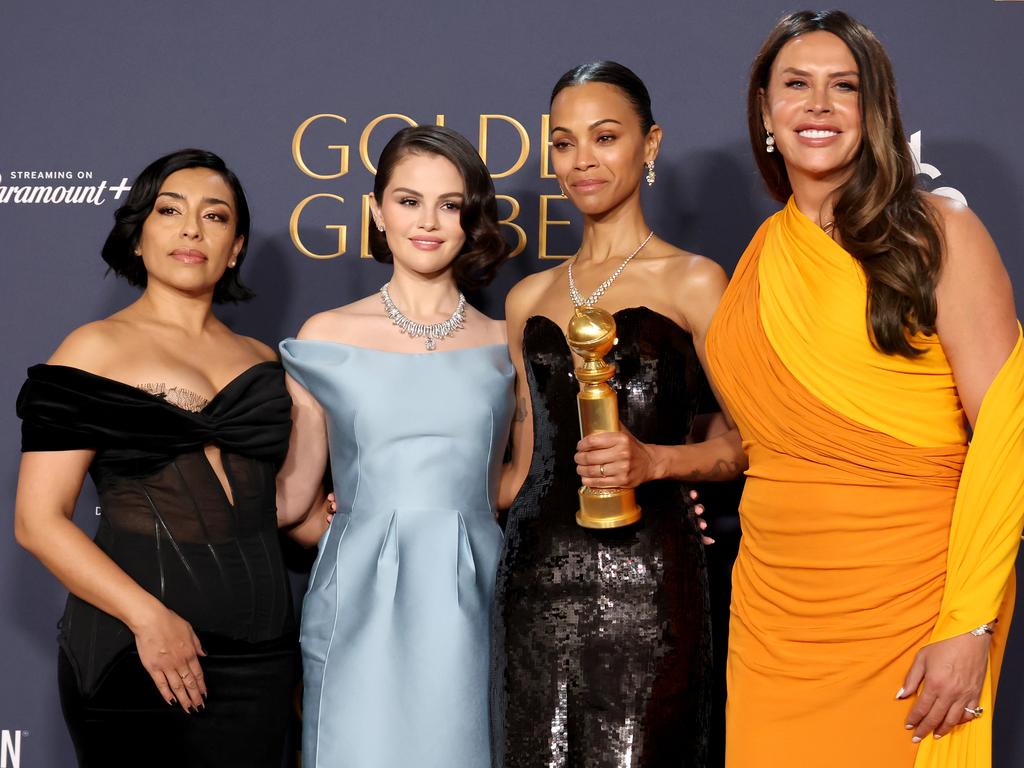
{"x": 87, "y": 571}
{"x": 314, "y": 522}
{"x": 718, "y": 458}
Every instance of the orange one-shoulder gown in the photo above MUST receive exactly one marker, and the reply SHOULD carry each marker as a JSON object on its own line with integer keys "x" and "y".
{"x": 860, "y": 517}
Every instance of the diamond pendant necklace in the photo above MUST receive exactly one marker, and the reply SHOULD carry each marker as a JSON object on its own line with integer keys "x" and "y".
{"x": 432, "y": 331}
{"x": 577, "y": 297}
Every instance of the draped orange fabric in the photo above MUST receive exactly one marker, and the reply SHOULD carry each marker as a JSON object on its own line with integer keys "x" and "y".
{"x": 847, "y": 511}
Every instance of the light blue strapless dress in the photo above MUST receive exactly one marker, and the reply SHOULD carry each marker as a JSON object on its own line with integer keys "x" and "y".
{"x": 396, "y": 621}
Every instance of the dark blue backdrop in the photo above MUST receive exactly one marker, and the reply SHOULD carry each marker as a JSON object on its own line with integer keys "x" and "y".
{"x": 98, "y": 90}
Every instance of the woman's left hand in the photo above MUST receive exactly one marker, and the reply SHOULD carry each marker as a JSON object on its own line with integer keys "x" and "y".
{"x": 614, "y": 460}
{"x": 950, "y": 674}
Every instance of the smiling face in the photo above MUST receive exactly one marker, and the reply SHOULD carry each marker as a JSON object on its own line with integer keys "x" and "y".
{"x": 420, "y": 210}
{"x": 188, "y": 239}
{"x": 598, "y": 146}
{"x": 812, "y": 105}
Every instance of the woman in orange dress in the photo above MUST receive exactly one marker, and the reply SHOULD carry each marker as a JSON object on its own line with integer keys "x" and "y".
{"x": 868, "y": 331}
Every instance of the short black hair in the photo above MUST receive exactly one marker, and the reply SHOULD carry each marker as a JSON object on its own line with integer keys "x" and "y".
{"x": 485, "y": 249}
{"x": 119, "y": 248}
{"x": 611, "y": 73}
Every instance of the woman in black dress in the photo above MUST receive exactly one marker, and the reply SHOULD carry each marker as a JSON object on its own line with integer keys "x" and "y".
{"x": 602, "y": 648}
{"x": 178, "y": 643}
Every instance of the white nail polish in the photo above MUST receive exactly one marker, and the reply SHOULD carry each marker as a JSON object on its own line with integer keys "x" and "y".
{"x": 916, "y": 739}
{"x": 899, "y": 693}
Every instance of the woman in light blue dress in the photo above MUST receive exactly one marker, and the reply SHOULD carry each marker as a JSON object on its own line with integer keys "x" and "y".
{"x": 414, "y": 400}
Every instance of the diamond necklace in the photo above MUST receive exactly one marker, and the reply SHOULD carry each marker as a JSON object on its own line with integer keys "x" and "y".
{"x": 577, "y": 297}
{"x": 432, "y": 331}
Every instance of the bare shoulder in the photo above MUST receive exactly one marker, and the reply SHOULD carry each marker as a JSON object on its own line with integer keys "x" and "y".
{"x": 261, "y": 350}
{"x": 528, "y": 291}
{"x": 95, "y": 346}
{"x": 491, "y": 331}
{"x": 693, "y": 272}
{"x": 341, "y": 324}
{"x": 964, "y": 234}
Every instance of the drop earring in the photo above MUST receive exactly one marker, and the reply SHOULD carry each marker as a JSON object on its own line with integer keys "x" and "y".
{"x": 651, "y": 175}
{"x": 769, "y": 143}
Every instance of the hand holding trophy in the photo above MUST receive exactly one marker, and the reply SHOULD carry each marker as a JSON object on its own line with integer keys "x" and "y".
{"x": 591, "y": 335}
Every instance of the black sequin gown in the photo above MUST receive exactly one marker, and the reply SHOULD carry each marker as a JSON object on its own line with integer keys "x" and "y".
{"x": 602, "y": 647}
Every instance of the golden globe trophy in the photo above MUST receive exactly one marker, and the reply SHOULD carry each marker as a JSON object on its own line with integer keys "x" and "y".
{"x": 591, "y": 335}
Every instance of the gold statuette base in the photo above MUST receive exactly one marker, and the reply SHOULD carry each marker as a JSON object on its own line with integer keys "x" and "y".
{"x": 612, "y": 508}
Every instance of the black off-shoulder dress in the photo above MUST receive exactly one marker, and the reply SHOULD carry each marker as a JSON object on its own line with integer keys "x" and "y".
{"x": 168, "y": 523}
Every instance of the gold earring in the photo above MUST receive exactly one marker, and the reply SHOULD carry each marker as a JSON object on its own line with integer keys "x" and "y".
{"x": 651, "y": 175}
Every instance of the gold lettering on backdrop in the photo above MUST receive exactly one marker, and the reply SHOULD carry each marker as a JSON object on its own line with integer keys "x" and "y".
{"x": 439, "y": 120}
{"x": 364, "y": 137}
{"x": 293, "y": 228}
{"x": 297, "y": 148}
{"x": 524, "y": 143}
{"x": 545, "y": 147}
{"x": 510, "y": 222}
{"x": 545, "y": 222}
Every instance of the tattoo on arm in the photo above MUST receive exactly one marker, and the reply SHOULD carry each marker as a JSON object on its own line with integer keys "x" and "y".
{"x": 522, "y": 411}
{"x": 722, "y": 470}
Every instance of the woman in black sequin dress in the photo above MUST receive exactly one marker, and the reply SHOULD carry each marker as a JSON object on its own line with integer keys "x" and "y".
{"x": 602, "y": 651}
{"x": 182, "y": 425}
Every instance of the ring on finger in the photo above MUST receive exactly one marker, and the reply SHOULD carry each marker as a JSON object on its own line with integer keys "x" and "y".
{"x": 601, "y": 470}
{"x": 976, "y": 712}
{"x": 185, "y": 675}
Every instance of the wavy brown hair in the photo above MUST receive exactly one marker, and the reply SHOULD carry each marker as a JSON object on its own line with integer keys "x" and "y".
{"x": 485, "y": 249}
{"x": 880, "y": 215}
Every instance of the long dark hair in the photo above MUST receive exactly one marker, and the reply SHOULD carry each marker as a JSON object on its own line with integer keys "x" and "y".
{"x": 485, "y": 249}
{"x": 880, "y": 215}
{"x": 611, "y": 73}
{"x": 119, "y": 248}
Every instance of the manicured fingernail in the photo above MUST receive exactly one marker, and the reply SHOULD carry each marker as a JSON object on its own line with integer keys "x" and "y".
{"x": 900, "y": 693}
{"x": 916, "y": 739}
{"x": 938, "y": 736}
{"x": 908, "y": 727}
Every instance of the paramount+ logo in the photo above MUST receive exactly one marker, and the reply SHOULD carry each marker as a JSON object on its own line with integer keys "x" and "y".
{"x": 10, "y": 748}
{"x": 58, "y": 188}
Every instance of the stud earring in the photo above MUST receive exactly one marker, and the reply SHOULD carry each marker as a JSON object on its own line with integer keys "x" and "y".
{"x": 651, "y": 175}
{"x": 231, "y": 264}
{"x": 380, "y": 227}
{"x": 769, "y": 143}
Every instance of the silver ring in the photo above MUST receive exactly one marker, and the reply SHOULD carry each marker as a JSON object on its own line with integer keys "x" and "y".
{"x": 978, "y": 712}
{"x": 601, "y": 470}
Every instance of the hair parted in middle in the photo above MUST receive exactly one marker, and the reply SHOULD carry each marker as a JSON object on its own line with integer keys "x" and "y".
{"x": 615, "y": 74}
{"x": 485, "y": 249}
{"x": 881, "y": 217}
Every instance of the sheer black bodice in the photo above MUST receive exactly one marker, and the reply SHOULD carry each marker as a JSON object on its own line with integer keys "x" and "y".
{"x": 166, "y": 520}
{"x": 602, "y": 642}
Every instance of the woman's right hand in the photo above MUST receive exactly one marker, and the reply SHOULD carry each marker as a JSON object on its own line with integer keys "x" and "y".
{"x": 169, "y": 651}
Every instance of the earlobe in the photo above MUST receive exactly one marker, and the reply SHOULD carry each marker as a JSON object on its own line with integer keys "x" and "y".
{"x": 653, "y": 144}
{"x": 765, "y": 121}
{"x": 378, "y": 218}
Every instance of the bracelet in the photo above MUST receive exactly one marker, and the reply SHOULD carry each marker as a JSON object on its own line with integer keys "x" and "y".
{"x": 985, "y": 629}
